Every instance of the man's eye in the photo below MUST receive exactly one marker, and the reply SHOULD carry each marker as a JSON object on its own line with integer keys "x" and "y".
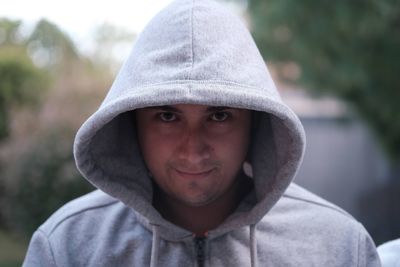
{"x": 167, "y": 116}
{"x": 219, "y": 116}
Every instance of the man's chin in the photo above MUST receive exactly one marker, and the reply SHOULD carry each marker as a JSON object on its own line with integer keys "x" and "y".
{"x": 197, "y": 202}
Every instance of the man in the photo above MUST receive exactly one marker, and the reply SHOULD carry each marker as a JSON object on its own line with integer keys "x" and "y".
{"x": 194, "y": 154}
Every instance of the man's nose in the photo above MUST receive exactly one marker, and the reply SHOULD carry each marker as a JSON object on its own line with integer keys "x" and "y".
{"x": 193, "y": 146}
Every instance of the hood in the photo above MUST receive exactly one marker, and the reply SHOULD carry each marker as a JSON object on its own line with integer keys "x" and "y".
{"x": 193, "y": 52}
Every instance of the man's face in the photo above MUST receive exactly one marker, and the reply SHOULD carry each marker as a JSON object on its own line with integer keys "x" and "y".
{"x": 194, "y": 152}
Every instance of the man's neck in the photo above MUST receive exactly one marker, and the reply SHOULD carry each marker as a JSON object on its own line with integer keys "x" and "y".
{"x": 200, "y": 220}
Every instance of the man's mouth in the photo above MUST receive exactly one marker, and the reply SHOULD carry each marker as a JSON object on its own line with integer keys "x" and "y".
{"x": 194, "y": 174}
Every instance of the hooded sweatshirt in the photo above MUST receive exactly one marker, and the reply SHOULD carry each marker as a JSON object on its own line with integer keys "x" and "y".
{"x": 195, "y": 52}
{"x": 389, "y": 252}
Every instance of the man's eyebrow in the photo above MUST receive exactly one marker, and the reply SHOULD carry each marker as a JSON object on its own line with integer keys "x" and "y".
{"x": 165, "y": 108}
{"x": 218, "y": 108}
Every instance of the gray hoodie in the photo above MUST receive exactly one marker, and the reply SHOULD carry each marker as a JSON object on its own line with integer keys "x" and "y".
{"x": 195, "y": 52}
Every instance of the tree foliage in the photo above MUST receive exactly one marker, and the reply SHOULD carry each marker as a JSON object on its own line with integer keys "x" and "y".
{"x": 42, "y": 72}
{"x": 350, "y": 49}
{"x": 49, "y": 45}
{"x": 21, "y": 82}
{"x": 27, "y": 63}
{"x": 44, "y": 178}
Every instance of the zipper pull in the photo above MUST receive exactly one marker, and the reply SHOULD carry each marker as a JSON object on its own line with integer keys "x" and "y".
{"x": 199, "y": 246}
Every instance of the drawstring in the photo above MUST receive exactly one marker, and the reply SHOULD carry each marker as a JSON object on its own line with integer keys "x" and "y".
{"x": 253, "y": 246}
{"x": 154, "y": 247}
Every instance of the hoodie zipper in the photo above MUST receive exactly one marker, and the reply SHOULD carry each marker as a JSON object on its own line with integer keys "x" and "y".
{"x": 199, "y": 246}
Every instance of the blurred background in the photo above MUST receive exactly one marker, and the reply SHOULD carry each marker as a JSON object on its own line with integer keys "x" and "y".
{"x": 336, "y": 63}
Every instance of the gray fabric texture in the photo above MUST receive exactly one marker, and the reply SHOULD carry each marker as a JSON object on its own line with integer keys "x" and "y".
{"x": 389, "y": 253}
{"x": 195, "y": 52}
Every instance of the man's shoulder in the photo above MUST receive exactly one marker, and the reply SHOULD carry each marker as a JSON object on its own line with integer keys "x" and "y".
{"x": 297, "y": 195}
{"x": 87, "y": 210}
{"x": 310, "y": 229}
{"x": 305, "y": 211}
{"x": 94, "y": 229}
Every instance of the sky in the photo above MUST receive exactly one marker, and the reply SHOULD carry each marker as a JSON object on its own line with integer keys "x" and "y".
{"x": 80, "y": 17}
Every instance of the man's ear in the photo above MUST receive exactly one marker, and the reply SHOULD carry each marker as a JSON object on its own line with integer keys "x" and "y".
{"x": 247, "y": 169}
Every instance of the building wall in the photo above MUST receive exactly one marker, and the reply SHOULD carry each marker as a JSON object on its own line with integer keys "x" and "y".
{"x": 343, "y": 161}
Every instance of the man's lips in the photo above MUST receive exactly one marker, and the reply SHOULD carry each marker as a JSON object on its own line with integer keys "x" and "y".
{"x": 193, "y": 174}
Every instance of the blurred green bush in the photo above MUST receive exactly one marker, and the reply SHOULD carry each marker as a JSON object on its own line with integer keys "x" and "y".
{"x": 42, "y": 179}
{"x": 47, "y": 89}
